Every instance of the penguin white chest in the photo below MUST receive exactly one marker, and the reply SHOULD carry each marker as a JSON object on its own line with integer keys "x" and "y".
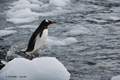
{"x": 40, "y": 41}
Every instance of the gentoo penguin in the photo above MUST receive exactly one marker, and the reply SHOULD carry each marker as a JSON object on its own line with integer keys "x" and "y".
{"x": 38, "y": 38}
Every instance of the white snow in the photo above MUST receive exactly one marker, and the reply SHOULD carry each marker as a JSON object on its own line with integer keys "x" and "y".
{"x": 6, "y": 32}
{"x": 56, "y": 41}
{"x": 116, "y": 78}
{"x": 44, "y": 68}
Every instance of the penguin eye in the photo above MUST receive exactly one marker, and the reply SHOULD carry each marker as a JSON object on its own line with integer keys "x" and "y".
{"x": 46, "y": 21}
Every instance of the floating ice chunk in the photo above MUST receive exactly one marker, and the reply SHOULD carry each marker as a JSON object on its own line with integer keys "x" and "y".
{"x": 114, "y": 18}
{"x": 22, "y": 13}
{"x": 36, "y": 2}
{"x": 54, "y": 41}
{"x": 116, "y": 78}
{"x": 31, "y": 6}
{"x": 70, "y": 40}
{"x": 9, "y": 28}
{"x": 22, "y": 16}
{"x": 22, "y": 4}
{"x": 54, "y": 12}
{"x": 45, "y": 68}
{"x": 59, "y": 2}
{"x": 77, "y": 30}
{"x": 28, "y": 26}
{"x": 18, "y": 21}
{"x": 6, "y": 32}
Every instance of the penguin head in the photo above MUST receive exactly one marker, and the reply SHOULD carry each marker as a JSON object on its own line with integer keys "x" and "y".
{"x": 48, "y": 22}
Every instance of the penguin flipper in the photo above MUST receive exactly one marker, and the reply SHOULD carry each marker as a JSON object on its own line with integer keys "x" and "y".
{"x": 32, "y": 41}
{"x": 40, "y": 34}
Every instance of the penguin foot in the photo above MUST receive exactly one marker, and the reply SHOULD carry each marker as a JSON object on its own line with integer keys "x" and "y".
{"x": 32, "y": 55}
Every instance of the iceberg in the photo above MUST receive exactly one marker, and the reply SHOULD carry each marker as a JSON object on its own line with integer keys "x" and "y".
{"x": 44, "y": 68}
{"x": 116, "y": 78}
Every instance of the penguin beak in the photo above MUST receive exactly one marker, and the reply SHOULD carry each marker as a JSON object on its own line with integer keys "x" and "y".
{"x": 52, "y": 22}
